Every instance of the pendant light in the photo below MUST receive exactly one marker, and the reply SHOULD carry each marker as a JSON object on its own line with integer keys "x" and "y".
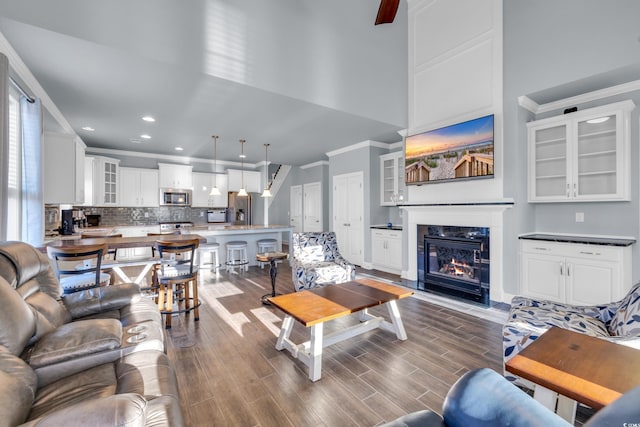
{"x": 266, "y": 192}
{"x": 215, "y": 191}
{"x": 243, "y": 191}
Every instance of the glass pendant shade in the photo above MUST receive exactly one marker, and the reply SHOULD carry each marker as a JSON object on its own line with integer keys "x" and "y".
{"x": 243, "y": 192}
{"x": 215, "y": 191}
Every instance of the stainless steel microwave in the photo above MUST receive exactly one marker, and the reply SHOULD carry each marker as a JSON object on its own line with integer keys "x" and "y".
{"x": 175, "y": 197}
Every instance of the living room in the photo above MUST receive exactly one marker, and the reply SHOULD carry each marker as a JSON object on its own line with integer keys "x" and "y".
{"x": 517, "y": 61}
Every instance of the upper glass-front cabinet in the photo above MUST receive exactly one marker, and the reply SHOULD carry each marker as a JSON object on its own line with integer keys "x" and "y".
{"x": 391, "y": 179}
{"x": 581, "y": 156}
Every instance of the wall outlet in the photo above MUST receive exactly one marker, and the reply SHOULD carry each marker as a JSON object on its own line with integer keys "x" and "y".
{"x": 201, "y": 213}
{"x": 146, "y": 214}
{"x": 579, "y": 216}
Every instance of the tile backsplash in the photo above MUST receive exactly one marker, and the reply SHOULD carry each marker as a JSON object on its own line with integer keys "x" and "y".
{"x": 146, "y": 216}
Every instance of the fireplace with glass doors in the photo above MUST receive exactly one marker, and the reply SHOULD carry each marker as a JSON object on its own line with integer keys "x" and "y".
{"x": 455, "y": 261}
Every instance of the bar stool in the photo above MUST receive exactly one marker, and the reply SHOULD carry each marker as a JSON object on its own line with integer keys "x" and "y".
{"x": 176, "y": 279}
{"x": 211, "y": 249}
{"x": 79, "y": 277}
{"x": 237, "y": 255}
{"x": 266, "y": 245}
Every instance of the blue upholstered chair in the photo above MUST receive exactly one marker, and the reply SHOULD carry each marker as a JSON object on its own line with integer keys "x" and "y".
{"x": 317, "y": 261}
{"x": 618, "y": 322}
{"x": 483, "y": 398}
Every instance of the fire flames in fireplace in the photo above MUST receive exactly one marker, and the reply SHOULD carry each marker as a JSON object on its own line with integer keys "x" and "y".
{"x": 458, "y": 269}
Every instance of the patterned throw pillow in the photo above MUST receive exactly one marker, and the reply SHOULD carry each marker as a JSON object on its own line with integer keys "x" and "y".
{"x": 626, "y": 321}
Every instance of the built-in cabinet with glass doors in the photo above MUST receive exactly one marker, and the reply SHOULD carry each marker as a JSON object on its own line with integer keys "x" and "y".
{"x": 582, "y": 156}
{"x": 391, "y": 178}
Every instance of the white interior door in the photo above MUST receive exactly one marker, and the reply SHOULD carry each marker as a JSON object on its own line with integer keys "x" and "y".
{"x": 295, "y": 208}
{"x": 312, "y": 206}
{"x": 348, "y": 222}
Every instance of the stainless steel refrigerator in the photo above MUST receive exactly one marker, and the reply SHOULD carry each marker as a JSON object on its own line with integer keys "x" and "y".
{"x": 239, "y": 211}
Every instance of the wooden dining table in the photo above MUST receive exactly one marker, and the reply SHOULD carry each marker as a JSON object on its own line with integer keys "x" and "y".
{"x": 127, "y": 242}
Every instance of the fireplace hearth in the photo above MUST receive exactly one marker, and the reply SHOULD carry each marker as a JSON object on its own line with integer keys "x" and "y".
{"x": 454, "y": 261}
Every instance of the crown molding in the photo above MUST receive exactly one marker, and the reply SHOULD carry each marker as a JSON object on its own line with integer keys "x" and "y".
{"x": 171, "y": 157}
{"x": 529, "y": 104}
{"x": 315, "y": 164}
{"x": 357, "y": 146}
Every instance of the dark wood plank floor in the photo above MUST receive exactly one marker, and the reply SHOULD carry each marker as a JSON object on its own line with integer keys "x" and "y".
{"x": 230, "y": 374}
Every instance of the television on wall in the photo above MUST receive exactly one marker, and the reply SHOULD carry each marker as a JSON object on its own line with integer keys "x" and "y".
{"x": 456, "y": 152}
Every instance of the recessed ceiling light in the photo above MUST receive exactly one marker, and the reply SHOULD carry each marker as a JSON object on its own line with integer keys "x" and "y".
{"x": 148, "y": 119}
{"x": 179, "y": 148}
{"x": 242, "y": 156}
{"x": 145, "y": 136}
{"x": 88, "y": 128}
{"x": 598, "y": 120}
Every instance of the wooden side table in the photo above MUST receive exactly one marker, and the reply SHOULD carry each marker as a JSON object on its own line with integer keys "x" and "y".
{"x": 271, "y": 258}
{"x": 585, "y": 369}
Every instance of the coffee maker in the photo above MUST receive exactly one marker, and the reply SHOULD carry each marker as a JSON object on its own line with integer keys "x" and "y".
{"x": 79, "y": 219}
{"x": 66, "y": 226}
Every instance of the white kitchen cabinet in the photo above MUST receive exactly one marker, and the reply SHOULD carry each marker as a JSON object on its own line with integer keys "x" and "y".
{"x": 63, "y": 169}
{"x": 582, "y": 156}
{"x": 391, "y": 178}
{"x": 386, "y": 250}
{"x": 175, "y": 176}
{"x": 251, "y": 180}
{"x": 139, "y": 187}
{"x": 101, "y": 181}
{"x": 574, "y": 273}
{"x": 202, "y": 184}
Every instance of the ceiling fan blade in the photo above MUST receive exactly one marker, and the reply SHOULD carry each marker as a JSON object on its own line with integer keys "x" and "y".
{"x": 387, "y": 11}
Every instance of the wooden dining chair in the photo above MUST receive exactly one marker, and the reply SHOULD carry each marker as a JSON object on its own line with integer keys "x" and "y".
{"x": 166, "y": 233}
{"x": 176, "y": 278}
{"x": 75, "y": 276}
{"x": 99, "y": 234}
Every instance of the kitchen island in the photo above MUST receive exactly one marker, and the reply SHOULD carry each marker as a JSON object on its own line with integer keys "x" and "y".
{"x": 218, "y": 233}
{"x": 249, "y": 233}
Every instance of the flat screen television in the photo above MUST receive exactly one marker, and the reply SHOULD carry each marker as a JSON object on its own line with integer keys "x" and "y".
{"x": 456, "y": 152}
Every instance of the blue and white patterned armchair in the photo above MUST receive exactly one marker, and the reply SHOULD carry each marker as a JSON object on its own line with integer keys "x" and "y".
{"x": 617, "y": 322}
{"x": 317, "y": 261}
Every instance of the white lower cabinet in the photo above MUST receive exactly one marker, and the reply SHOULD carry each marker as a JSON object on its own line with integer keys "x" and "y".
{"x": 574, "y": 273}
{"x": 386, "y": 250}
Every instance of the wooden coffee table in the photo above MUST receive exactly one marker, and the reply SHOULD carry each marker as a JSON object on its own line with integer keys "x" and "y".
{"x": 314, "y": 307}
{"x": 585, "y": 369}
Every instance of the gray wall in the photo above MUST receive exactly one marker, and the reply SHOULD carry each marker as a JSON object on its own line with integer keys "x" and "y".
{"x": 553, "y": 50}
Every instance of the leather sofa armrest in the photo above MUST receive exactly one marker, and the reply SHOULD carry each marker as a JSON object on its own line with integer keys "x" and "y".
{"x": 101, "y": 299}
{"x": 118, "y": 410}
{"x": 77, "y": 339}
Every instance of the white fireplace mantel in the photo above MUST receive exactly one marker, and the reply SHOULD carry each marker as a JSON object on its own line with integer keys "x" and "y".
{"x": 469, "y": 214}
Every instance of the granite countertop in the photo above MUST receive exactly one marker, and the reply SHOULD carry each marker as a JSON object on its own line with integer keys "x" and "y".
{"x": 606, "y": 241}
{"x": 386, "y": 227}
{"x": 240, "y": 229}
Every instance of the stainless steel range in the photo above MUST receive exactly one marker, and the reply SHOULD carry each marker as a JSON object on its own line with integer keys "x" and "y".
{"x": 168, "y": 226}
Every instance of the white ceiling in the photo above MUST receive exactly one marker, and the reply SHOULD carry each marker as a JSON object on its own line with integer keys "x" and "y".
{"x": 305, "y": 76}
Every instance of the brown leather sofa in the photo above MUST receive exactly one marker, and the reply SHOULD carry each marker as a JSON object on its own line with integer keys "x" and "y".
{"x": 94, "y": 357}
